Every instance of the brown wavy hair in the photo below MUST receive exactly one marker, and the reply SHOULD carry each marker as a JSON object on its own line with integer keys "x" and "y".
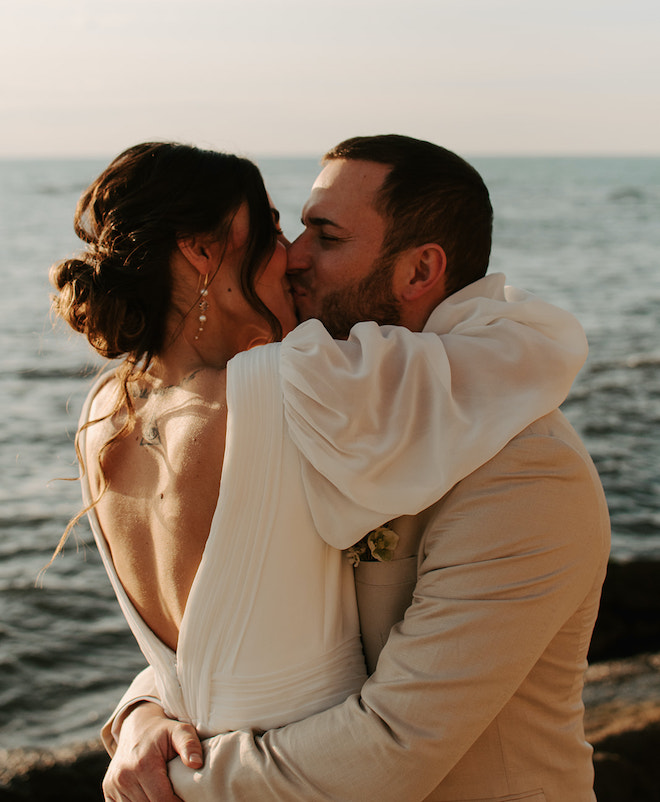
{"x": 118, "y": 291}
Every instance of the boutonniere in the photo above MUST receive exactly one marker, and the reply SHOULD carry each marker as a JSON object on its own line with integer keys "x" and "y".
{"x": 378, "y": 546}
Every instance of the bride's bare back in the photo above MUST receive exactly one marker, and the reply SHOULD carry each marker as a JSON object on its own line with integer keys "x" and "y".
{"x": 164, "y": 480}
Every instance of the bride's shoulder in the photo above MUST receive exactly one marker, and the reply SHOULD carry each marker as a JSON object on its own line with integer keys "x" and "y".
{"x": 103, "y": 396}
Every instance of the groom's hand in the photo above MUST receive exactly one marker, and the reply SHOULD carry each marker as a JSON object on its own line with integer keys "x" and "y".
{"x": 147, "y": 741}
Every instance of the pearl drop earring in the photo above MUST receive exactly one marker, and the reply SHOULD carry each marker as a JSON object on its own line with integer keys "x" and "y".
{"x": 203, "y": 305}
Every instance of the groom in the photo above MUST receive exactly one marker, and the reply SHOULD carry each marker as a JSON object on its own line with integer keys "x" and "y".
{"x": 477, "y": 690}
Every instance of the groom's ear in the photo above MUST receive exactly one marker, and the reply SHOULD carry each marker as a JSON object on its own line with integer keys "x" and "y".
{"x": 423, "y": 272}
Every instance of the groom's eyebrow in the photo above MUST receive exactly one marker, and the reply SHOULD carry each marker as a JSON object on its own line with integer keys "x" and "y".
{"x": 320, "y": 221}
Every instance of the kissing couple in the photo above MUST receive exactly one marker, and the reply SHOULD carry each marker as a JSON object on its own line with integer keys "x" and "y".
{"x": 356, "y": 540}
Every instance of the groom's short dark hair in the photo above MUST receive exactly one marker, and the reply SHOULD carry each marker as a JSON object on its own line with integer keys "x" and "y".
{"x": 429, "y": 195}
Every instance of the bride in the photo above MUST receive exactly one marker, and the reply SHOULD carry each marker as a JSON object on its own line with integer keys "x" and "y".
{"x": 205, "y": 458}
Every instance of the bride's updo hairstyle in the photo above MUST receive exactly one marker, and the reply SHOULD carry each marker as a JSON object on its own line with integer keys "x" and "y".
{"x": 118, "y": 293}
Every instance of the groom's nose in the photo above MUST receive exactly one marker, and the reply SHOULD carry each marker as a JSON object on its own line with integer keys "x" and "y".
{"x": 298, "y": 255}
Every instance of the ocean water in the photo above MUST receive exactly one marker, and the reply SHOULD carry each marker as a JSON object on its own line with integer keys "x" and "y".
{"x": 582, "y": 233}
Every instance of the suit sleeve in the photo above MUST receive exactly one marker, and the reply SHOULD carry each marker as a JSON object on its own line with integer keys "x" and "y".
{"x": 512, "y": 552}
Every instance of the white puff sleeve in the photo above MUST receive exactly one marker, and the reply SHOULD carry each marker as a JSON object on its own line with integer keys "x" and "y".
{"x": 389, "y": 420}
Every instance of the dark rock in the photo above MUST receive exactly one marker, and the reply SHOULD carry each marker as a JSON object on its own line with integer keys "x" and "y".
{"x": 629, "y": 618}
{"x": 73, "y": 774}
{"x": 622, "y": 721}
{"x": 619, "y": 779}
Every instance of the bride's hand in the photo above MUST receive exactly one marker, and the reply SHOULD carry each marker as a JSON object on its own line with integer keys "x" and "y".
{"x": 147, "y": 740}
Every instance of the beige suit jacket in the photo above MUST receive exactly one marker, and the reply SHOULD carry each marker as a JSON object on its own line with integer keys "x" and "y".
{"x": 477, "y": 692}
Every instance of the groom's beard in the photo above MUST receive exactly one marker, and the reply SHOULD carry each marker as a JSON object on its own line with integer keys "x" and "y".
{"x": 370, "y": 298}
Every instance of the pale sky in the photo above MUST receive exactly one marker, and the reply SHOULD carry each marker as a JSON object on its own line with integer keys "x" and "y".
{"x": 293, "y": 77}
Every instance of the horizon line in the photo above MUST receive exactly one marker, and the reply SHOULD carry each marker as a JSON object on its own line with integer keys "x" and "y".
{"x": 309, "y": 155}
